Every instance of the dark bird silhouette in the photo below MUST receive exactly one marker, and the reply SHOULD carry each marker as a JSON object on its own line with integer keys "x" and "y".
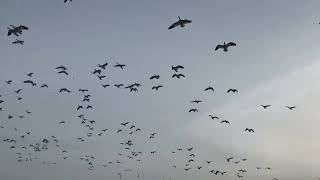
{"x": 239, "y": 176}
{"x": 65, "y": 1}
{"x": 243, "y": 159}
{"x": 16, "y": 30}
{"x": 213, "y": 117}
{"x": 10, "y": 117}
{"x": 242, "y": 170}
{"x": 193, "y": 110}
{"x": 180, "y": 22}
{"x": 190, "y": 160}
{"x": 19, "y": 98}
{"x": 178, "y": 75}
{"x": 157, "y": 87}
{"x": 209, "y": 88}
{"x": 18, "y": 91}
{"x": 199, "y": 167}
{"x": 62, "y": 122}
{"x": 17, "y": 41}
{"x": 89, "y": 107}
{"x": 96, "y": 71}
{"x": 44, "y": 85}
{"x": 64, "y": 90}
{"x": 209, "y": 162}
{"x": 190, "y": 149}
{"x": 196, "y": 101}
{"x": 119, "y": 65}
{"x": 176, "y": 68}
{"x": 124, "y": 124}
{"x": 83, "y": 90}
{"x": 45, "y": 141}
{"x": 249, "y": 130}
{"x": 101, "y": 77}
{"x": 225, "y": 46}
{"x": 133, "y": 89}
{"x": 211, "y": 171}
{"x": 9, "y": 81}
{"x": 138, "y": 129}
{"x": 155, "y": 76}
{"x": 236, "y": 162}
{"x": 63, "y": 72}
{"x": 105, "y": 85}
{"x": 86, "y": 99}
{"x": 103, "y": 66}
{"x": 192, "y": 155}
{"x": 265, "y": 106}
{"x": 30, "y": 74}
{"x": 187, "y": 169}
{"x": 229, "y": 159}
{"x": 30, "y": 82}
{"x": 225, "y": 121}
{"x": 268, "y": 168}
{"x": 79, "y": 107}
{"x": 61, "y": 68}
{"x": 232, "y": 90}
{"x": 118, "y": 85}
{"x": 291, "y": 107}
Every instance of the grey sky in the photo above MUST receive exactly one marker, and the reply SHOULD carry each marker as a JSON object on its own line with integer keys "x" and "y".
{"x": 275, "y": 62}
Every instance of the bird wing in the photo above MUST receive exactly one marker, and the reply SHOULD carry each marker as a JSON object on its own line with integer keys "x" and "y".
{"x": 186, "y": 21}
{"x": 23, "y": 27}
{"x": 174, "y": 25}
{"x": 218, "y": 47}
{"x": 231, "y": 44}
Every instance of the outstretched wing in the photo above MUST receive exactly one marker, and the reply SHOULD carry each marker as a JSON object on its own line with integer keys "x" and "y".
{"x": 174, "y": 25}
{"x": 231, "y": 44}
{"x": 23, "y": 27}
{"x": 218, "y": 47}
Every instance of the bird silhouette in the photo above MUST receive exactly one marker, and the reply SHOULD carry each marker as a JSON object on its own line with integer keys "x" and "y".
{"x": 193, "y": 110}
{"x": 63, "y": 72}
{"x": 213, "y": 117}
{"x": 63, "y": 68}
{"x": 180, "y": 22}
{"x": 96, "y": 71}
{"x": 124, "y": 124}
{"x": 17, "y": 30}
{"x": 196, "y": 101}
{"x": 178, "y": 76}
{"x": 83, "y": 90}
{"x": 103, "y": 66}
{"x": 18, "y": 91}
{"x": 65, "y": 1}
{"x": 157, "y": 87}
{"x": 155, "y": 77}
{"x": 119, "y": 65}
{"x": 17, "y": 41}
{"x": 105, "y": 85}
{"x": 62, "y": 122}
{"x": 89, "y": 107}
{"x": 30, "y": 82}
{"x": 118, "y": 85}
{"x": 9, "y": 81}
{"x": 225, "y": 121}
{"x": 232, "y": 90}
{"x": 177, "y": 67}
{"x": 229, "y": 159}
{"x": 291, "y": 107}
{"x": 44, "y": 85}
{"x": 265, "y": 106}
{"x": 208, "y": 162}
{"x": 79, "y": 107}
{"x": 209, "y": 88}
{"x": 190, "y": 149}
{"x": 64, "y": 90}
{"x": 249, "y": 130}
{"x": 101, "y": 77}
{"x": 268, "y": 168}
{"x": 225, "y": 46}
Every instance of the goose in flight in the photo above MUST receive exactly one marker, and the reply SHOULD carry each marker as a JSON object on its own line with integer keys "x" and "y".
{"x": 229, "y": 159}
{"x": 190, "y": 149}
{"x": 196, "y": 101}
{"x": 9, "y": 81}
{"x": 124, "y": 124}
{"x": 193, "y": 110}
{"x": 249, "y": 130}
{"x": 63, "y": 72}
{"x": 265, "y": 106}
{"x": 64, "y": 90}
{"x": 103, "y": 66}
{"x": 232, "y": 90}
{"x": 101, "y": 77}
{"x": 44, "y": 85}
{"x": 157, "y": 87}
{"x": 105, "y": 85}
{"x": 291, "y": 107}
{"x": 83, "y": 90}
{"x": 225, "y": 121}
{"x": 18, "y": 91}
{"x": 225, "y": 46}
{"x": 119, "y": 65}
{"x": 30, "y": 82}
{"x": 65, "y": 1}
{"x": 209, "y": 88}
{"x": 16, "y": 30}
{"x": 178, "y": 75}
{"x": 213, "y": 117}
{"x": 133, "y": 90}
{"x": 17, "y": 41}
{"x": 96, "y": 71}
{"x": 61, "y": 68}
{"x": 176, "y": 68}
{"x": 156, "y": 76}
{"x": 180, "y": 22}
{"x": 30, "y": 74}
{"x": 118, "y": 85}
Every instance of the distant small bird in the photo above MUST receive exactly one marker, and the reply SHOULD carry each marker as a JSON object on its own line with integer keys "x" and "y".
{"x": 19, "y": 98}
{"x": 209, "y": 162}
{"x": 79, "y": 107}
{"x": 101, "y": 77}
{"x": 96, "y": 71}
{"x": 213, "y": 117}
{"x": 196, "y": 101}
{"x": 138, "y": 129}
{"x": 9, "y": 81}
{"x": 103, "y": 66}
{"x": 291, "y": 107}
{"x": 190, "y": 149}
{"x": 243, "y": 159}
{"x": 64, "y": 90}
{"x": 30, "y": 74}
{"x": 265, "y": 106}
{"x": 268, "y": 168}
{"x": 157, "y": 87}
{"x": 249, "y": 130}
{"x": 65, "y": 1}
{"x": 225, "y": 46}
{"x": 105, "y": 85}
{"x": 133, "y": 89}
{"x": 155, "y": 77}
{"x": 236, "y": 162}
{"x": 119, "y": 65}
{"x": 209, "y": 88}
{"x": 225, "y": 121}
{"x": 83, "y": 90}
{"x": 118, "y": 85}
{"x": 45, "y": 141}
{"x": 30, "y": 82}
{"x": 18, "y": 91}
{"x": 176, "y": 68}
{"x": 89, "y": 107}
{"x": 63, "y": 72}
{"x": 16, "y": 30}
{"x": 229, "y": 159}
{"x": 178, "y": 76}
{"x": 62, "y": 122}
{"x": 180, "y": 22}
{"x": 61, "y": 68}
{"x": 232, "y": 90}
{"x": 124, "y": 124}
{"x": 44, "y": 85}
{"x": 193, "y": 110}
{"x": 17, "y": 41}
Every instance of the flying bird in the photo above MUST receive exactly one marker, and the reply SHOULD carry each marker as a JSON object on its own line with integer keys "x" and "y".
{"x": 249, "y": 130}
{"x": 265, "y": 106}
{"x": 213, "y": 117}
{"x": 124, "y": 124}
{"x": 103, "y": 66}
{"x": 229, "y": 159}
{"x": 30, "y": 82}
{"x": 155, "y": 77}
{"x": 291, "y": 107}
{"x": 225, "y": 46}
{"x": 101, "y": 77}
{"x": 64, "y": 90}
{"x": 83, "y": 90}
{"x": 18, "y": 91}
{"x": 178, "y": 75}
{"x": 118, "y": 85}
{"x": 193, "y": 110}
{"x": 17, "y": 41}
{"x": 44, "y": 85}
{"x": 96, "y": 71}
{"x": 157, "y": 87}
{"x": 119, "y": 65}
{"x": 105, "y": 85}
{"x": 225, "y": 121}
{"x": 209, "y": 88}
{"x": 16, "y": 30}
{"x": 196, "y": 101}
{"x": 180, "y": 22}
{"x": 63, "y": 72}
{"x": 176, "y": 68}
{"x": 9, "y": 81}
{"x": 232, "y": 90}
{"x": 30, "y": 74}
{"x": 61, "y": 68}
{"x": 65, "y": 1}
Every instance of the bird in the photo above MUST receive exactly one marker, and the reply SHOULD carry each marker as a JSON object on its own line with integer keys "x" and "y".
{"x": 211, "y": 171}
{"x": 190, "y": 149}
{"x": 83, "y": 90}
{"x": 119, "y": 65}
{"x": 268, "y": 168}
{"x": 196, "y": 101}
{"x": 65, "y": 1}
{"x": 62, "y": 122}
{"x": 79, "y": 107}
{"x": 155, "y": 77}
{"x": 225, "y": 46}
{"x": 236, "y": 162}
{"x": 118, "y": 85}
{"x": 180, "y": 22}
{"x": 249, "y": 130}
{"x": 124, "y": 124}
{"x": 209, "y": 88}
{"x": 101, "y": 77}
{"x": 239, "y": 176}
{"x": 9, "y": 81}
{"x": 177, "y": 67}
{"x": 18, "y": 91}
{"x": 61, "y": 68}
{"x": 63, "y": 72}
{"x": 30, "y": 82}
{"x": 64, "y": 90}
{"x": 232, "y": 90}
{"x": 209, "y": 162}
{"x": 199, "y": 167}
{"x": 291, "y": 107}
{"x": 133, "y": 90}
{"x": 178, "y": 75}
{"x": 16, "y": 30}
{"x": 225, "y": 121}
{"x": 30, "y": 74}
{"x": 213, "y": 117}
{"x": 243, "y": 159}
{"x": 265, "y": 106}
{"x": 157, "y": 87}
{"x": 17, "y": 41}
{"x": 105, "y": 85}
{"x": 19, "y": 98}
{"x": 229, "y": 159}
{"x": 193, "y": 110}
{"x": 89, "y": 107}
{"x": 96, "y": 71}
{"x": 103, "y": 66}
{"x": 44, "y": 85}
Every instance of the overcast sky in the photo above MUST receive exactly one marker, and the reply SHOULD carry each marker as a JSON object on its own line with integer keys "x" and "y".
{"x": 275, "y": 62}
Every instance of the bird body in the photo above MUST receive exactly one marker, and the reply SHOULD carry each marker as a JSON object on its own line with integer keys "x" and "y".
{"x": 16, "y": 30}
{"x": 177, "y": 67}
{"x": 225, "y": 46}
{"x": 232, "y": 90}
{"x": 178, "y": 75}
{"x": 157, "y": 87}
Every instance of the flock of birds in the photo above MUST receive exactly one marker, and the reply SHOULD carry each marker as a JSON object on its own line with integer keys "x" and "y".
{"x": 131, "y": 132}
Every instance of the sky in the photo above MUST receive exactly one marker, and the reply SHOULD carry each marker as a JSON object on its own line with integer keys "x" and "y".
{"x": 275, "y": 62}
